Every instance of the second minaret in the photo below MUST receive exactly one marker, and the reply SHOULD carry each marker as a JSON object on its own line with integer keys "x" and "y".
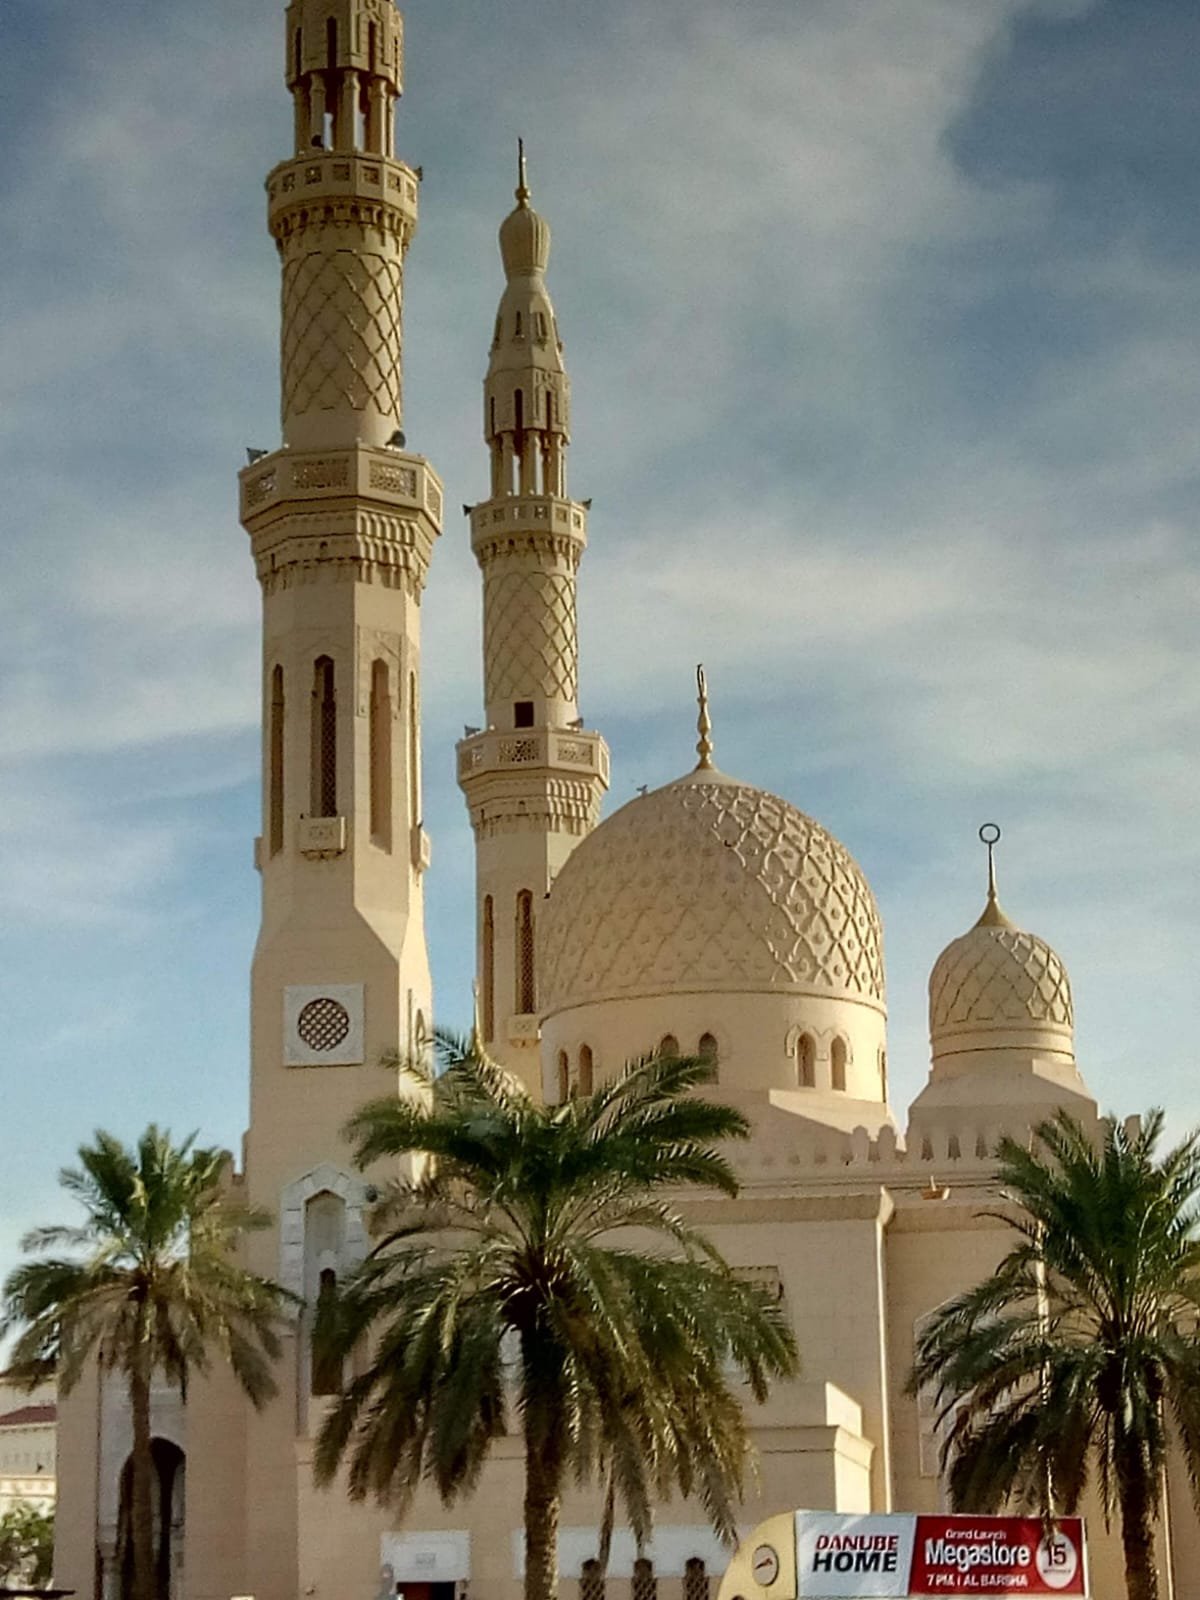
{"x": 533, "y": 777}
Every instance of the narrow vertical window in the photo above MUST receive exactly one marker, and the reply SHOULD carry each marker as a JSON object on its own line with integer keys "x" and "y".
{"x": 668, "y": 1045}
{"x": 324, "y": 740}
{"x": 591, "y": 1581}
{"x": 564, "y": 1076}
{"x": 645, "y": 1584}
{"x": 883, "y": 1081}
{"x": 414, "y": 753}
{"x": 298, "y": 54}
{"x": 326, "y": 1371}
{"x": 526, "y": 996}
{"x": 275, "y": 761}
{"x": 585, "y": 1069}
{"x": 837, "y": 1064}
{"x": 806, "y": 1061}
{"x": 381, "y": 756}
{"x": 695, "y": 1579}
{"x": 487, "y": 976}
{"x": 707, "y": 1051}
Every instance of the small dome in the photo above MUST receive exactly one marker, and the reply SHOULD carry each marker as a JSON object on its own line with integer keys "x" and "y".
{"x": 997, "y": 983}
{"x": 524, "y": 235}
{"x": 710, "y": 885}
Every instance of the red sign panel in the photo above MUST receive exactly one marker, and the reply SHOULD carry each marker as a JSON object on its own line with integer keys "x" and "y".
{"x": 997, "y": 1556}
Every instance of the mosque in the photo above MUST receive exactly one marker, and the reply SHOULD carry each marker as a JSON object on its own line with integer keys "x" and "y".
{"x": 707, "y": 916}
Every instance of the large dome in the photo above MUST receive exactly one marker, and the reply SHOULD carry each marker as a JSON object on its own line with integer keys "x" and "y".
{"x": 709, "y": 885}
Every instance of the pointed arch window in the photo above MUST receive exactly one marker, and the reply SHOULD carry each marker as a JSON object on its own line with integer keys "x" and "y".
{"x": 837, "y": 1064}
{"x": 275, "y": 762}
{"x": 326, "y": 1371}
{"x": 563, "y": 1067}
{"x": 526, "y": 996}
{"x": 591, "y": 1580}
{"x": 707, "y": 1051}
{"x": 323, "y": 800}
{"x": 645, "y": 1584}
{"x": 695, "y": 1579}
{"x": 806, "y": 1061}
{"x": 586, "y": 1069}
{"x": 488, "y": 970}
{"x": 381, "y": 755}
{"x": 668, "y": 1045}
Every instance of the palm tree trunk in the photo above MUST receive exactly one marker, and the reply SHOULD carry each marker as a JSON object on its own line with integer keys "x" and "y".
{"x": 141, "y": 1512}
{"x": 1137, "y": 1526}
{"x": 604, "y": 1550}
{"x": 543, "y": 1467}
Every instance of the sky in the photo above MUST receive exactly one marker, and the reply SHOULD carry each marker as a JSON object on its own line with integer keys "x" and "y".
{"x": 883, "y": 323}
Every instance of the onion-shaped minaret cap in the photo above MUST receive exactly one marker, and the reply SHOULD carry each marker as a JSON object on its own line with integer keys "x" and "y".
{"x": 524, "y": 235}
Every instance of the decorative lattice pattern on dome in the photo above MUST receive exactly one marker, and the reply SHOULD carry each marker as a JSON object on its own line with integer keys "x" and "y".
{"x": 530, "y": 642}
{"x": 323, "y": 1024}
{"x": 993, "y": 977}
{"x": 710, "y": 884}
{"x": 342, "y": 332}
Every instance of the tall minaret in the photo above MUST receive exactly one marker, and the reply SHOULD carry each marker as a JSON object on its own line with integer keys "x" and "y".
{"x": 342, "y": 520}
{"x": 534, "y": 777}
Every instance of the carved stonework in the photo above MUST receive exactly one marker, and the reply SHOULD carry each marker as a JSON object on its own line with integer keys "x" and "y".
{"x": 710, "y": 882}
{"x": 531, "y": 644}
{"x": 995, "y": 977}
{"x": 342, "y": 332}
{"x": 376, "y": 644}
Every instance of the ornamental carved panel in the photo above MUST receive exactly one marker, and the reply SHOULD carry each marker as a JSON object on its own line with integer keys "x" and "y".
{"x": 531, "y": 644}
{"x": 342, "y": 332}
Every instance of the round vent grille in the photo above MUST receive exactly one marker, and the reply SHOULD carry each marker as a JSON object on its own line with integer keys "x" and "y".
{"x": 323, "y": 1024}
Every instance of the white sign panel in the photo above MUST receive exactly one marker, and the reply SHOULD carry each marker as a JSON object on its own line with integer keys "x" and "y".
{"x": 854, "y": 1556}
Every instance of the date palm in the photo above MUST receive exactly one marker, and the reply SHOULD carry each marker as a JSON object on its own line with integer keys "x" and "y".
{"x": 148, "y": 1284}
{"x": 539, "y": 1264}
{"x": 1079, "y": 1356}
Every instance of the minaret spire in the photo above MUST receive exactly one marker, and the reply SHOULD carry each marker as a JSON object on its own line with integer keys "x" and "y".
{"x": 704, "y": 746}
{"x": 993, "y": 916}
{"x": 534, "y": 777}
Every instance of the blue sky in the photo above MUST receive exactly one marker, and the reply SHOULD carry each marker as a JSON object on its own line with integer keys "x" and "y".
{"x": 882, "y": 321}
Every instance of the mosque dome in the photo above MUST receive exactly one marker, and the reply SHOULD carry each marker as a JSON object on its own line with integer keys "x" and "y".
{"x": 998, "y": 987}
{"x": 710, "y": 885}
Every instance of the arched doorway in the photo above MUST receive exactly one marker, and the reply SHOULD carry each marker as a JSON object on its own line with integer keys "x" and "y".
{"x": 167, "y": 1503}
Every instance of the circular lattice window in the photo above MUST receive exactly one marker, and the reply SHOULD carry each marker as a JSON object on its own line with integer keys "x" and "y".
{"x": 323, "y": 1024}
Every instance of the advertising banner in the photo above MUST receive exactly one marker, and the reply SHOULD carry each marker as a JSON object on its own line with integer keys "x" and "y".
{"x": 957, "y": 1557}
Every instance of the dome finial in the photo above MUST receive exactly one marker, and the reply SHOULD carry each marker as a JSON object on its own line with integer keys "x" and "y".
{"x": 704, "y": 748}
{"x": 992, "y": 917}
{"x": 522, "y": 190}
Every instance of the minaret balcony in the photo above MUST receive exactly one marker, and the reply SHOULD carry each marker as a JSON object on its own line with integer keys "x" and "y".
{"x": 339, "y": 180}
{"x": 366, "y": 472}
{"x": 574, "y": 751}
{"x": 494, "y": 522}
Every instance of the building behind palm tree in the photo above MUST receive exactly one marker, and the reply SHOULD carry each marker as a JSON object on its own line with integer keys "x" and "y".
{"x": 707, "y": 917}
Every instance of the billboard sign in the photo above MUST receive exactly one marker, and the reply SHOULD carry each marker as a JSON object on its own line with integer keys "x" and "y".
{"x": 958, "y": 1557}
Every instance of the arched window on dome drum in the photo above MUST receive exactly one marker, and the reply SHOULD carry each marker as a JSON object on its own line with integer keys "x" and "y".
{"x": 381, "y": 756}
{"x": 695, "y": 1579}
{"x": 323, "y": 799}
{"x": 564, "y": 1076}
{"x": 837, "y": 1064}
{"x": 806, "y": 1061}
{"x": 585, "y": 1069}
{"x": 526, "y": 995}
{"x": 487, "y": 975}
{"x": 668, "y": 1045}
{"x": 707, "y": 1051}
{"x": 645, "y": 1584}
{"x": 275, "y": 759}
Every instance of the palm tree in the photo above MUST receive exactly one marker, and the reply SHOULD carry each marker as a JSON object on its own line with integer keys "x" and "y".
{"x": 151, "y": 1286}
{"x": 1080, "y": 1354}
{"x": 537, "y": 1260}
